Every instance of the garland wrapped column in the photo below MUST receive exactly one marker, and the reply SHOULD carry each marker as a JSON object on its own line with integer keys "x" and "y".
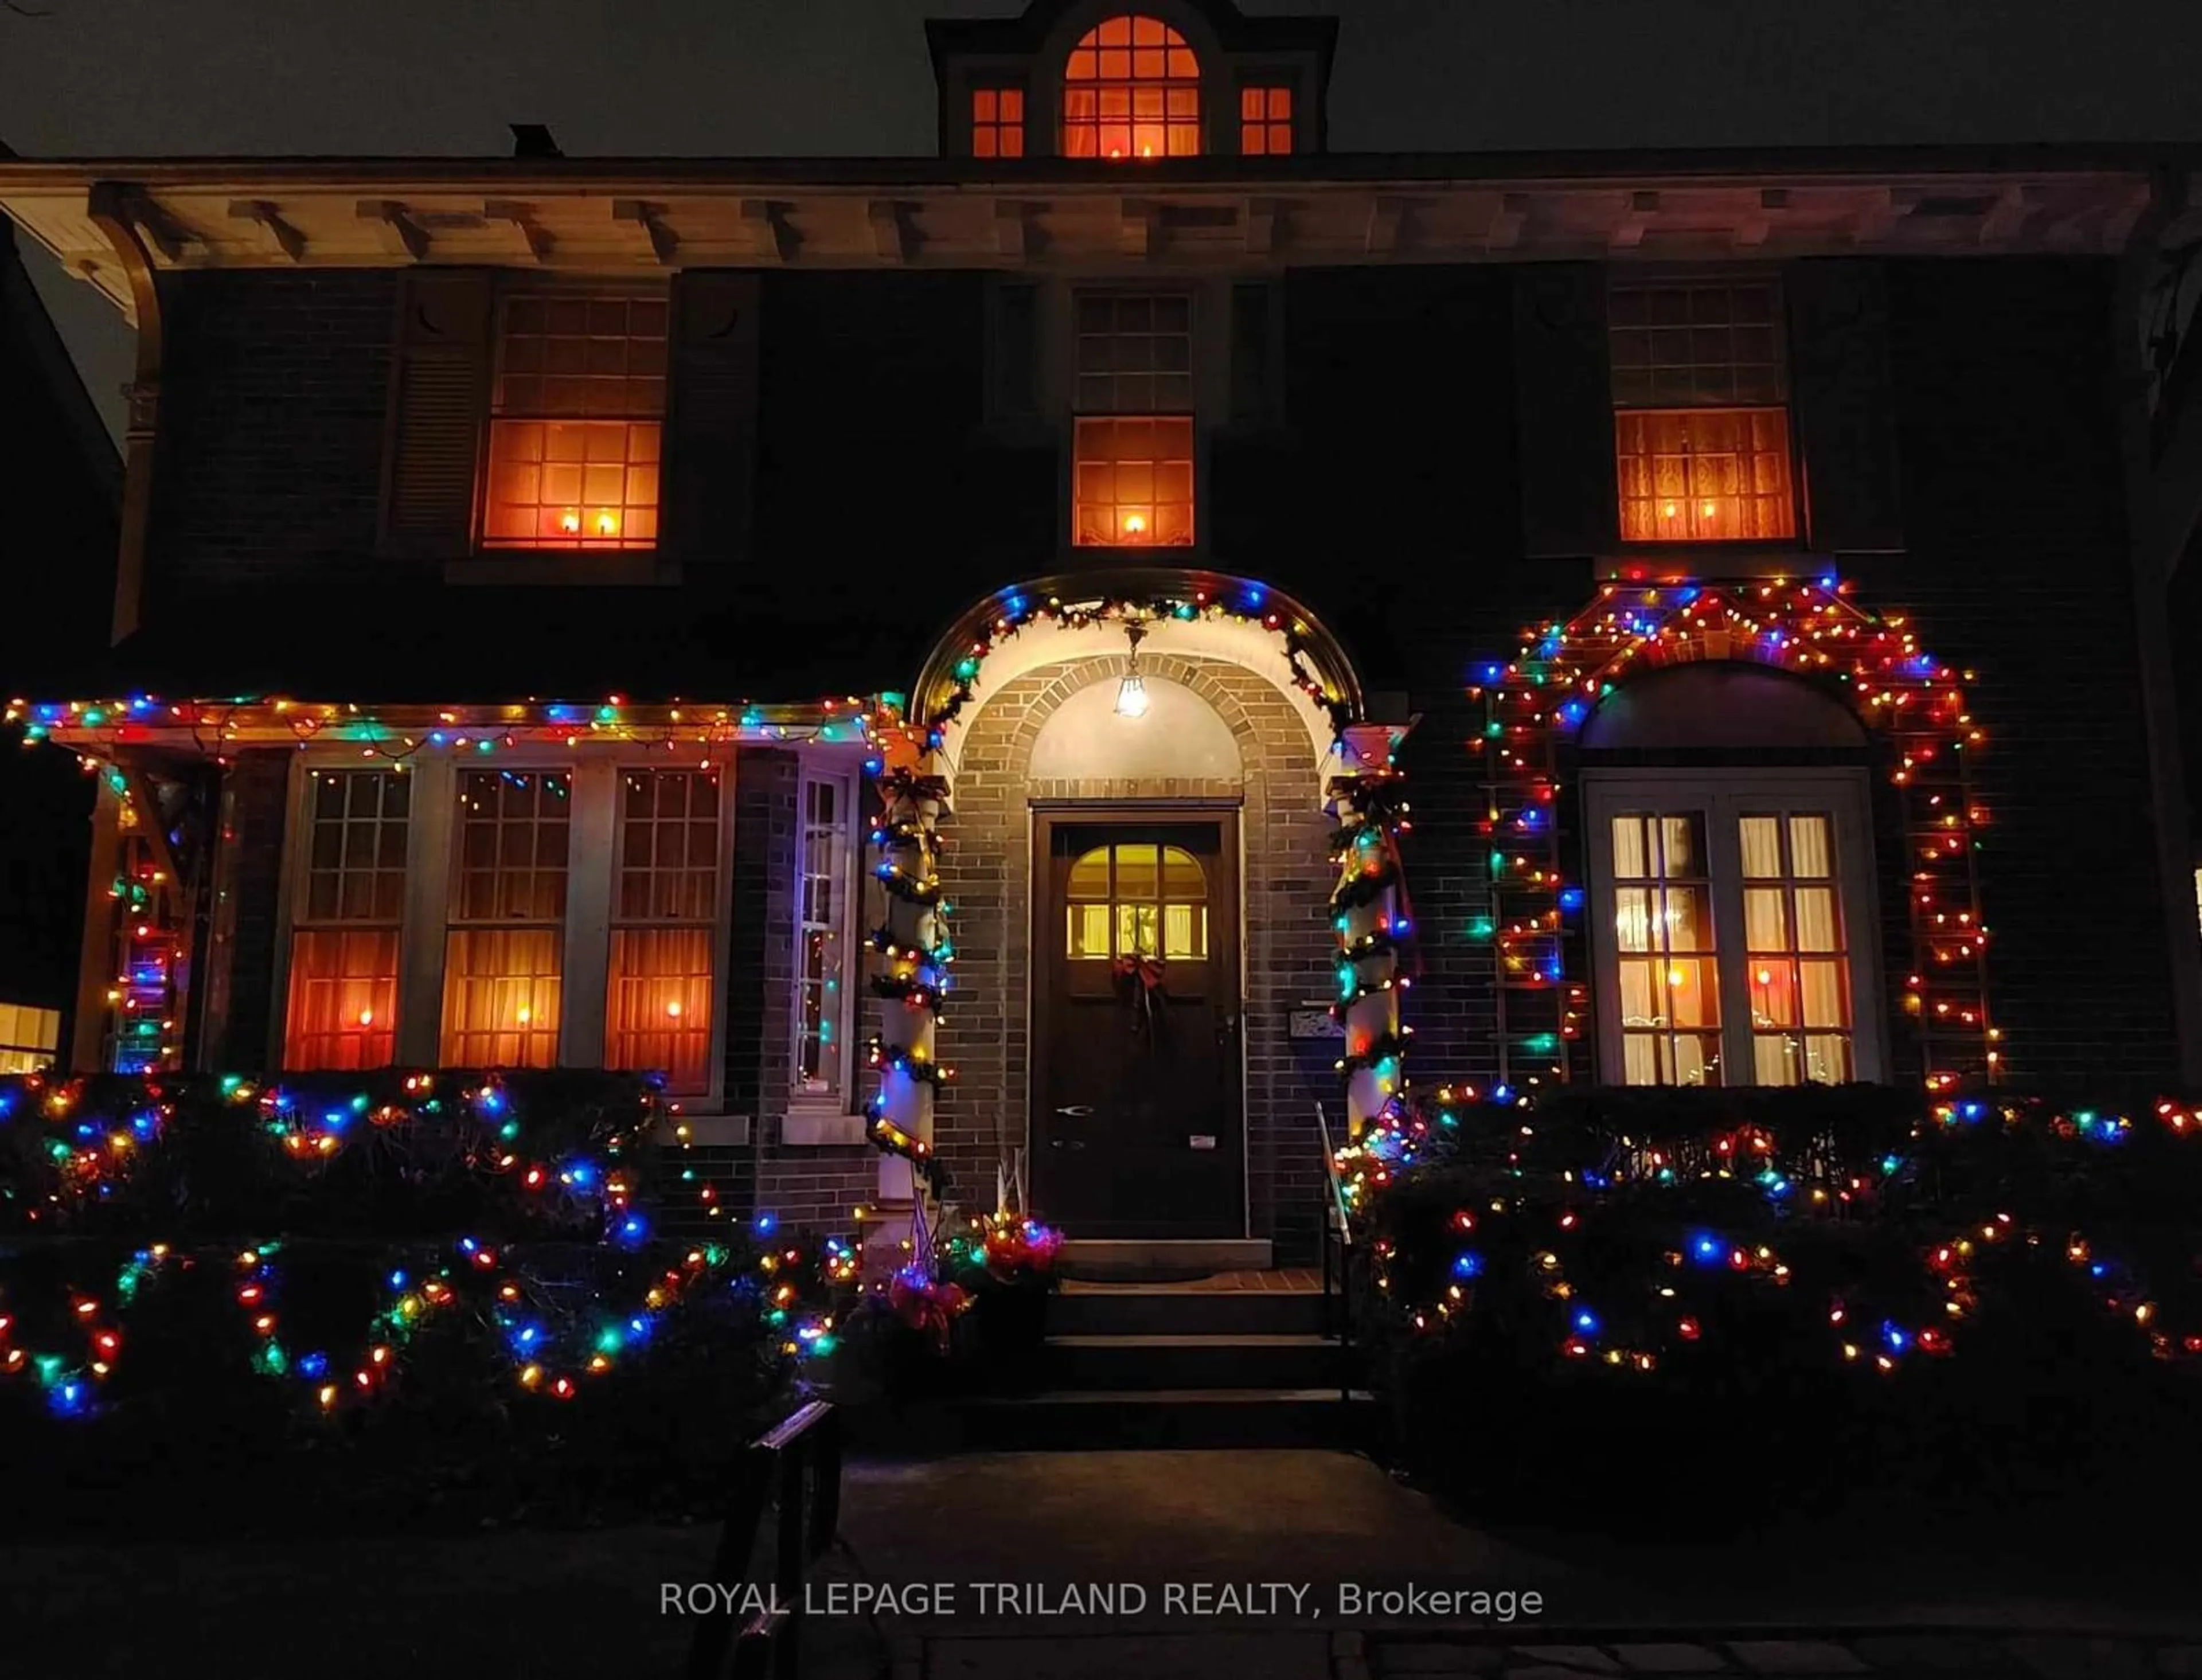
{"x": 911, "y": 952}
{"x": 1368, "y": 914}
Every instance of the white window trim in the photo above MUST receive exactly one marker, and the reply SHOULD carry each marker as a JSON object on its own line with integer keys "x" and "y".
{"x": 1723, "y": 794}
{"x": 812, "y": 1117}
{"x": 431, "y": 856}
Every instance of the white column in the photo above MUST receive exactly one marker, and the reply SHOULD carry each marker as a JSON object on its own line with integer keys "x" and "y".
{"x": 1370, "y": 930}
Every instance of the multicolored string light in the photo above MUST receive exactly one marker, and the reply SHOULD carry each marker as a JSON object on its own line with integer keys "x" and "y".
{"x": 1544, "y": 694}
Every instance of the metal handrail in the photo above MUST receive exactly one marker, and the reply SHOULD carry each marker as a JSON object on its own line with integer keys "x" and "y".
{"x": 1337, "y": 1224}
{"x": 1340, "y": 1208}
{"x": 798, "y": 1466}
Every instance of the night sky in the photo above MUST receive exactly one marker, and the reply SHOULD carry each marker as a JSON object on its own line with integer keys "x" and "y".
{"x": 850, "y": 77}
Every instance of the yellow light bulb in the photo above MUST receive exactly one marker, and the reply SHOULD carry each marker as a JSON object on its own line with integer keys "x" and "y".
{"x": 570, "y": 522}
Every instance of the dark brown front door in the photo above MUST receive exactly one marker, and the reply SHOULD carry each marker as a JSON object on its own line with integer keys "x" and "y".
{"x": 1136, "y": 1127}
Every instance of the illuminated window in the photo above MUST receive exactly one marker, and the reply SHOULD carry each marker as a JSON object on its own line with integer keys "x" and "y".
{"x": 30, "y": 1038}
{"x": 665, "y": 897}
{"x": 1669, "y": 971}
{"x": 504, "y": 964}
{"x": 575, "y": 422}
{"x": 1265, "y": 122}
{"x": 998, "y": 122}
{"x": 342, "y": 1011}
{"x": 1794, "y": 950}
{"x": 1136, "y": 900}
{"x": 1133, "y": 465}
{"x": 1723, "y": 948}
{"x": 1701, "y": 417}
{"x": 1130, "y": 88}
{"x": 824, "y": 965}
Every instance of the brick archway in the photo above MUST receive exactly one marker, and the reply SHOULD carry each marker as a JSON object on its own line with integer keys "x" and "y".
{"x": 1289, "y": 947}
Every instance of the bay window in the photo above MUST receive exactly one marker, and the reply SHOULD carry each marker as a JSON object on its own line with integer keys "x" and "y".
{"x": 1732, "y": 923}
{"x": 539, "y": 914}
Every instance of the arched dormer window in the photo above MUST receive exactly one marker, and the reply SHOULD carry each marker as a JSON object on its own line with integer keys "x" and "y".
{"x": 1131, "y": 88}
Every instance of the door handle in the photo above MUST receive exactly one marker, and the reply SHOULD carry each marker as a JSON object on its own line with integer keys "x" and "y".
{"x": 1077, "y": 1111}
{"x": 1067, "y": 1143}
{"x": 1226, "y": 1027}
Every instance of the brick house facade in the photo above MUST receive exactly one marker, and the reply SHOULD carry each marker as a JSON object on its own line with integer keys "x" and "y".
{"x": 1402, "y": 397}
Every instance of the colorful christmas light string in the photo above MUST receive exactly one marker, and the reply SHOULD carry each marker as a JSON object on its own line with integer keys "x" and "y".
{"x": 1543, "y": 696}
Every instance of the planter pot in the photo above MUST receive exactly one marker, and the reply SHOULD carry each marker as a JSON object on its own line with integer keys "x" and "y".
{"x": 1009, "y": 1320}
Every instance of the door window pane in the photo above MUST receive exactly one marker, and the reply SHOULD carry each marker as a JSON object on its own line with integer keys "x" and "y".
{"x": 1784, "y": 920}
{"x": 1151, "y": 903}
{"x": 1669, "y": 970}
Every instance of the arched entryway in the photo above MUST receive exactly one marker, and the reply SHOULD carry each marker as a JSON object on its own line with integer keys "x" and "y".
{"x": 1143, "y": 888}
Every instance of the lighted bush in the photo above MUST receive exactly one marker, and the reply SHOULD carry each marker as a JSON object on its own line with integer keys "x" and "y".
{"x": 379, "y": 1294}
{"x": 1744, "y": 1299}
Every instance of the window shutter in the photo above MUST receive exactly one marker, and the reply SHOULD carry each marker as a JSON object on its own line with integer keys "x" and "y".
{"x": 1841, "y": 389}
{"x": 440, "y": 390}
{"x": 1013, "y": 357}
{"x": 711, "y": 422}
{"x": 1253, "y": 355}
{"x": 1564, "y": 405}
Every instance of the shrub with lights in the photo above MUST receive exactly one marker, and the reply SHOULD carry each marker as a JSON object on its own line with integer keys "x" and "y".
{"x": 1758, "y": 1293}
{"x": 446, "y": 1275}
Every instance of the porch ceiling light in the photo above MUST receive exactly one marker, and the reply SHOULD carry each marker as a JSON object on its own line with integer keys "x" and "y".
{"x": 1132, "y": 692}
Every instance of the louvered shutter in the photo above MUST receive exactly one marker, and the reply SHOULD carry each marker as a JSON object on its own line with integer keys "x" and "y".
{"x": 711, "y": 449}
{"x": 1563, "y": 404}
{"x": 1840, "y": 386}
{"x": 1013, "y": 353}
{"x": 439, "y": 395}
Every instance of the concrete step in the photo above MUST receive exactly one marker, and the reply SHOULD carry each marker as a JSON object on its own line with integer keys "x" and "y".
{"x": 1087, "y": 1420}
{"x": 1190, "y": 1361}
{"x": 1132, "y": 1310}
{"x": 1160, "y": 1259}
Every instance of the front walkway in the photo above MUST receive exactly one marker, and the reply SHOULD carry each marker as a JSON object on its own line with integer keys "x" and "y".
{"x": 582, "y": 1605}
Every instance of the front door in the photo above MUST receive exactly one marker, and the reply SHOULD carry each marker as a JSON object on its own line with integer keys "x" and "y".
{"x": 1136, "y": 1127}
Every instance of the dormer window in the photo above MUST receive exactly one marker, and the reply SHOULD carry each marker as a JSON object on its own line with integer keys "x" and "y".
{"x": 1265, "y": 122}
{"x": 1131, "y": 88}
{"x": 998, "y": 122}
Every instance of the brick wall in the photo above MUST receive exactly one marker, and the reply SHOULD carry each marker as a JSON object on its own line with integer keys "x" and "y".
{"x": 987, "y": 873}
{"x": 261, "y": 781}
{"x": 812, "y": 1185}
{"x": 2017, "y": 568}
{"x": 273, "y": 407}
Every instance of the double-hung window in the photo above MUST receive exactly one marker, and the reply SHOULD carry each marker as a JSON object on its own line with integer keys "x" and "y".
{"x": 346, "y": 918}
{"x": 826, "y": 964}
{"x": 665, "y": 922}
{"x": 504, "y": 958}
{"x": 576, "y": 421}
{"x": 1733, "y": 927}
{"x": 1133, "y": 398}
{"x": 1701, "y": 410}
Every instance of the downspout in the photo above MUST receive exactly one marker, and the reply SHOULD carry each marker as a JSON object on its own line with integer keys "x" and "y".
{"x": 111, "y": 208}
{"x": 2152, "y": 567}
